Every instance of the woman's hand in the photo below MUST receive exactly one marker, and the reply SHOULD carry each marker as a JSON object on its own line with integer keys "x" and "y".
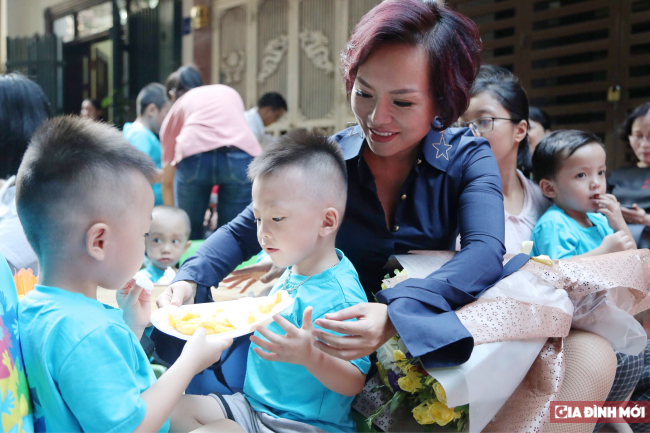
{"x": 264, "y": 271}
{"x": 179, "y": 293}
{"x": 361, "y": 337}
{"x": 636, "y": 215}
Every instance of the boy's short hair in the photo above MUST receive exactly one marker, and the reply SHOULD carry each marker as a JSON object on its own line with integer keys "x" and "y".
{"x": 556, "y": 147}
{"x": 273, "y": 100}
{"x": 74, "y": 168}
{"x": 320, "y": 158}
{"x": 153, "y": 93}
{"x": 175, "y": 211}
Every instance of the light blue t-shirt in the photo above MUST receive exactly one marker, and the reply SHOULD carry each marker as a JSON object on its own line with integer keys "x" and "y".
{"x": 85, "y": 368}
{"x": 559, "y": 236}
{"x": 151, "y": 272}
{"x": 147, "y": 142}
{"x": 289, "y": 391}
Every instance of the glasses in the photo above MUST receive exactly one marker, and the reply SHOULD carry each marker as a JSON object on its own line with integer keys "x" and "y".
{"x": 482, "y": 124}
{"x": 638, "y": 139}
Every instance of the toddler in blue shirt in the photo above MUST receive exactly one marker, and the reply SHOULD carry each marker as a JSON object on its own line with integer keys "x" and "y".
{"x": 166, "y": 242}
{"x": 84, "y": 199}
{"x": 583, "y": 221}
{"x": 299, "y": 197}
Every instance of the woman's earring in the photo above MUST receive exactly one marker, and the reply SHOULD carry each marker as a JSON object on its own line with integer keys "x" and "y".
{"x": 437, "y": 124}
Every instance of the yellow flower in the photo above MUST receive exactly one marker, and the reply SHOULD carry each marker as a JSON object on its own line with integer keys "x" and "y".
{"x": 441, "y": 395}
{"x": 383, "y": 375}
{"x": 441, "y": 413}
{"x": 405, "y": 384}
{"x": 401, "y": 361}
{"x": 411, "y": 383}
{"x": 421, "y": 414}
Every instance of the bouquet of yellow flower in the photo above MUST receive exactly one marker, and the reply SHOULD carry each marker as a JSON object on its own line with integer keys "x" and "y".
{"x": 25, "y": 281}
{"x": 409, "y": 384}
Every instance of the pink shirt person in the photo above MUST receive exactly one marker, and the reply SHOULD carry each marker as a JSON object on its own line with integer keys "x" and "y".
{"x": 203, "y": 119}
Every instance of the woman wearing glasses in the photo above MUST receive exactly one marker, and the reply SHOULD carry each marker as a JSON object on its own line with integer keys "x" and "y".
{"x": 631, "y": 185}
{"x": 498, "y": 111}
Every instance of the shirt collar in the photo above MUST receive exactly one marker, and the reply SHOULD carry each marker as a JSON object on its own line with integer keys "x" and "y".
{"x": 436, "y": 147}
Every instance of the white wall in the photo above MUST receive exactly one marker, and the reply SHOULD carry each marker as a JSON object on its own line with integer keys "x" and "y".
{"x": 26, "y": 17}
{"x": 187, "y": 48}
{"x": 3, "y": 35}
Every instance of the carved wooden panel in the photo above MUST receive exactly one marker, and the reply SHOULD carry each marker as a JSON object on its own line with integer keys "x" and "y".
{"x": 272, "y": 46}
{"x": 318, "y": 61}
{"x": 232, "y": 60}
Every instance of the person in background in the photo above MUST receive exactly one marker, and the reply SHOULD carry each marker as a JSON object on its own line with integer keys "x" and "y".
{"x": 206, "y": 138}
{"x": 167, "y": 240}
{"x": 151, "y": 105}
{"x": 23, "y": 109}
{"x": 631, "y": 185}
{"x": 92, "y": 109}
{"x": 498, "y": 111}
{"x": 270, "y": 108}
{"x": 539, "y": 125}
{"x": 182, "y": 80}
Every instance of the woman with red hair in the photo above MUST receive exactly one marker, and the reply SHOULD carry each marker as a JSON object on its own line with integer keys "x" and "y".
{"x": 413, "y": 185}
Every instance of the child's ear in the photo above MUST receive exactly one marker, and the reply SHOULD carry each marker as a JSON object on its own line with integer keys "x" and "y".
{"x": 548, "y": 188}
{"x": 330, "y": 222}
{"x": 187, "y": 246}
{"x": 96, "y": 238}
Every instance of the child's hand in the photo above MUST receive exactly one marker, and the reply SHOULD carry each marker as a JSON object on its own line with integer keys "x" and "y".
{"x": 296, "y": 347}
{"x": 136, "y": 307}
{"x": 202, "y": 352}
{"x": 611, "y": 208}
{"x": 636, "y": 215}
{"x": 619, "y": 241}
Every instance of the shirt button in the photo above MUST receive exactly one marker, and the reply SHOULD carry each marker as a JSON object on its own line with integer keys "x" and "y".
{"x": 404, "y": 197}
{"x": 396, "y": 228}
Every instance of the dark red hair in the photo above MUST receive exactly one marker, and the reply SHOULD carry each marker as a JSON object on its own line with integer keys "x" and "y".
{"x": 451, "y": 40}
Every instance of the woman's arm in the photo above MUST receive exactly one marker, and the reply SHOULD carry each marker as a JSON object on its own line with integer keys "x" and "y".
{"x": 216, "y": 258}
{"x": 421, "y": 311}
{"x": 419, "y": 307}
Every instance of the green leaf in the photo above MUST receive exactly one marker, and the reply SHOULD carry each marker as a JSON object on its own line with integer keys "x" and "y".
{"x": 463, "y": 408}
{"x": 378, "y": 387}
{"x": 375, "y": 414}
{"x": 397, "y": 399}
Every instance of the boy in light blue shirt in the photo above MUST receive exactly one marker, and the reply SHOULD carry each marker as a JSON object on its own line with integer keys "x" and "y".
{"x": 84, "y": 199}
{"x": 299, "y": 197}
{"x": 583, "y": 221}
{"x": 151, "y": 108}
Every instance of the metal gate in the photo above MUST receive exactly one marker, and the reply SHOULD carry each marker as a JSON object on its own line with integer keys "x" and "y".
{"x": 39, "y": 58}
{"x": 287, "y": 46}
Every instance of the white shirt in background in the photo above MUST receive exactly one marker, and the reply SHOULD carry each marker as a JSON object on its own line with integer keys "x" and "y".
{"x": 256, "y": 125}
{"x": 13, "y": 242}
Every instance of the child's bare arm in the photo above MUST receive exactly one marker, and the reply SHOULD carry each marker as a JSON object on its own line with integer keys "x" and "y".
{"x": 297, "y": 347}
{"x": 611, "y": 208}
{"x": 199, "y": 353}
{"x": 337, "y": 374}
{"x": 619, "y": 241}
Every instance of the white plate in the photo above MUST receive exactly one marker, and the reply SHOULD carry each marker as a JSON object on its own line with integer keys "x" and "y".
{"x": 160, "y": 317}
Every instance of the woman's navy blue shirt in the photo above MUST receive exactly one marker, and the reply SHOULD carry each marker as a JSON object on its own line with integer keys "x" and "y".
{"x": 453, "y": 186}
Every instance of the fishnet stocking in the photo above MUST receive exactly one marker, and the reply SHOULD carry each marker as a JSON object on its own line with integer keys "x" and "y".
{"x": 589, "y": 374}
